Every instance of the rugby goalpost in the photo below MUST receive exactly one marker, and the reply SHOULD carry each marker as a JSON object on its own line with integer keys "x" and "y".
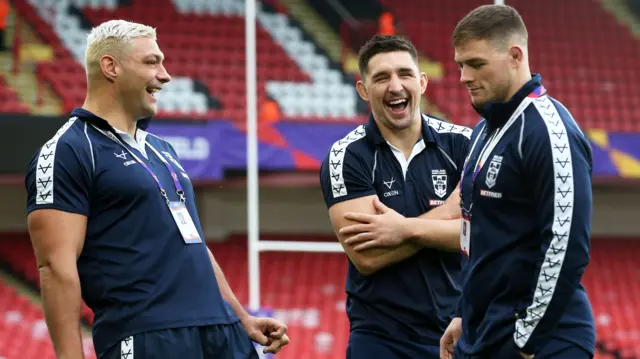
{"x": 255, "y": 245}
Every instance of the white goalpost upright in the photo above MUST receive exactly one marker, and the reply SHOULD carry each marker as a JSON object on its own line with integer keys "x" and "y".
{"x": 252, "y": 154}
{"x": 255, "y": 245}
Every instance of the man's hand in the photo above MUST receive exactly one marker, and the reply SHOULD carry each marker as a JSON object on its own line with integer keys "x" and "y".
{"x": 375, "y": 231}
{"x": 450, "y": 338}
{"x": 267, "y": 332}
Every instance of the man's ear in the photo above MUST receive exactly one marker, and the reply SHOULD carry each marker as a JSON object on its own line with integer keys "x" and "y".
{"x": 516, "y": 55}
{"x": 424, "y": 80}
{"x": 362, "y": 90}
{"x": 109, "y": 67}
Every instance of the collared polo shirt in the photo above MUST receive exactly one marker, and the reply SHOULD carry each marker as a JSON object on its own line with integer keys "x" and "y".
{"x": 136, "y": 272}
{"x": 413, "y": 299}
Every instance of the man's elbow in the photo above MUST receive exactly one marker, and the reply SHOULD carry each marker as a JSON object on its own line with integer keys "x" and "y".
{"x": 365, "y": 265}
{"x": 366, "y": 269}
{"x": 59, "y": 273}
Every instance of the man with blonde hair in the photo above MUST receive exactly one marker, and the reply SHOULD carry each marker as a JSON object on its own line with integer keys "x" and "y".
{"x": 113, "y": 220}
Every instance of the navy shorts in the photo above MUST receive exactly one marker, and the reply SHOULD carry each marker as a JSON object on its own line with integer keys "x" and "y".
{"x": 555, "y": 349}
{"x": 225, "y": 341}
{"x": 365, "y": 345}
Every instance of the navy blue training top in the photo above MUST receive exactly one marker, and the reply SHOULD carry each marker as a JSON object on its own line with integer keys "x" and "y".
{"x": 413, "y": 299}
{"x": 530, "y": 226}
{"x": 136, "y": 272}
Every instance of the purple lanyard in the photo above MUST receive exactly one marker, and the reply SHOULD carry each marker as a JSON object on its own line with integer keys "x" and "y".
{"x": 174, "y": 176}
{"x": 477, "y": 170}
{"x": 467, "y": 212}
{"x": 480, "y": 163}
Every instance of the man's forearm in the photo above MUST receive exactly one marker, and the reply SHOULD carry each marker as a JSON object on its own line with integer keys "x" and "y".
{"x": 449, "y": 210}
{"x": 225, "y": 289}
{"x": 440, "y": 212}
{"x": 435, "y": 233}
{"x": 62, "y": 302}
{"x": 380, "y": 258}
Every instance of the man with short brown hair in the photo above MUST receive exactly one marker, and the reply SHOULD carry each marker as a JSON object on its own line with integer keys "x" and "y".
{"x": 526, "y": 206}
{"x": 402, "y": 282}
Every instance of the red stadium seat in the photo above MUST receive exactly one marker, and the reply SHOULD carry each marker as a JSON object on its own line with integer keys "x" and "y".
{"x": 9, "y": 101}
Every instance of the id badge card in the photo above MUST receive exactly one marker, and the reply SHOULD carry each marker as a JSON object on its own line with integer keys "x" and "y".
{"x": 185, "y": 223}
{"x": 465, "y": 233}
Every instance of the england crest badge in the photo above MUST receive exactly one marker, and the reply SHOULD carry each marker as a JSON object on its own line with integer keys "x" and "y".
{"x": 439, "y": 179}
{"x": 493, "y": 171}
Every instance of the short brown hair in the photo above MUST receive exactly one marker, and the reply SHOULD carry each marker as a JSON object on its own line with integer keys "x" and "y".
{"x": 382, "y": 44}
{"x": 495, "y": 23}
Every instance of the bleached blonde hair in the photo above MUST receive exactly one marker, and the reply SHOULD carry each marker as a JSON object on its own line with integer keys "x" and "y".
{"x": 111, "y": 38}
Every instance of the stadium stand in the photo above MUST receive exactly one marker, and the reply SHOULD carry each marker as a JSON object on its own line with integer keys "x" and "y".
{"x": 207, "y": 68}
{"x": 600, "y": 90}
{"x": 613, "y": 282}
{"x": 315, "y": 298}
{"x": 23, "y": 331}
